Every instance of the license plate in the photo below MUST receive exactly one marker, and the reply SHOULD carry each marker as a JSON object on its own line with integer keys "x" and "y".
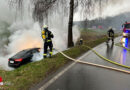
{"x": 11, "y": 61}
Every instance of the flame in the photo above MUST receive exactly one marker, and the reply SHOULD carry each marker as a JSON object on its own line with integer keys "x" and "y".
{"x": 30, "y": 42}
{"x": 25, "y": 39}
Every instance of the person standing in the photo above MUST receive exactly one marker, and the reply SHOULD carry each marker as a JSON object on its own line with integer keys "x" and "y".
{"x": 110, "y": 34}
{"x": 47, "y": 38}
{"x": 81, "y": 41}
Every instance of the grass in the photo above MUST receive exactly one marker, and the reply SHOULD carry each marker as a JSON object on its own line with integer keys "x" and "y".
{"x": 28, "y": 75}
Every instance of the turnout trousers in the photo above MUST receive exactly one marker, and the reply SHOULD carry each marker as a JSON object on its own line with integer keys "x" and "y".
{"x": 110, "y": 38}
{"x": 46, "y": 45}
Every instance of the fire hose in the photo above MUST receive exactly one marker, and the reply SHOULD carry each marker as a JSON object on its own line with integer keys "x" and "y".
{"x": 97, "y": 65}
{"x": 118, "y": 44}
{"x": 87, "y": 63}
{"x": 108, "y": 59}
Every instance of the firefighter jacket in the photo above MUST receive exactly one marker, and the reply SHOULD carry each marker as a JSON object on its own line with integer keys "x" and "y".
{"x": 110, "y": 33}
{"x": 47, "y": 35}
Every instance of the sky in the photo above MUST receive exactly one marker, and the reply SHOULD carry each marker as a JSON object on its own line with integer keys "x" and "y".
{"x": 111, "y": 8}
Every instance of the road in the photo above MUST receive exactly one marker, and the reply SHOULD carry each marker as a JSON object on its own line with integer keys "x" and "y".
{"x": 85, "y": 77}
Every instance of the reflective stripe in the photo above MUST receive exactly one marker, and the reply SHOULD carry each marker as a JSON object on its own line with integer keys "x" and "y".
{"x": 48, "y": 40}
{"x": 44, "y": 54}
{"x": 51, "y": 53}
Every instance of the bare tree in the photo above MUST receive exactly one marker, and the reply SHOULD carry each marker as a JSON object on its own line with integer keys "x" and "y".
{"x": 42, "y": 7}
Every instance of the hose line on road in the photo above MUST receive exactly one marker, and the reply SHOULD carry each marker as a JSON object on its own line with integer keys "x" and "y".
{"x": 107, "y": 59}
{"x": 118, "y": 44}
{"x": 81, "y": 62}
{"x": 92, "y": 64}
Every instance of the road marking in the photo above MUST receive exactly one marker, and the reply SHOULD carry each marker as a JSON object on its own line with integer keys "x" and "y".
{"x": 61, "y": 73}
{"x": 108, "y": 60}
{"x": 78, "y": 61}
{"x": 56, "y": 77}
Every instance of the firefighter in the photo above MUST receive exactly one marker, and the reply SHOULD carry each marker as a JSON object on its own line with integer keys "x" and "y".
{"x": 110, "y": 34}
{"x": 81, "y": 41}
{"x": 47, "y": 38}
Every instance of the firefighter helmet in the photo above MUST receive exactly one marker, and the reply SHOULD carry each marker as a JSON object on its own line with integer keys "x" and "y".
{"x": 110, "y": 27}
{"x": 45, "y": 27}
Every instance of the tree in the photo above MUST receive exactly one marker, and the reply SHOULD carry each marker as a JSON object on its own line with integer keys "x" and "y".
{"x": 70, "y": 24}
{"x": 42, "y": 7}
{"x": 88, "y": 5}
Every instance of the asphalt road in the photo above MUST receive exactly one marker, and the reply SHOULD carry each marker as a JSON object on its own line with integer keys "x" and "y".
{"x": 85, "y": 77}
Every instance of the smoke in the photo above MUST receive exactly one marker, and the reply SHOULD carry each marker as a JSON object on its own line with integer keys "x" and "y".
{"x": 25, "y": 38}
{"x": 4, "y": 63}
{"x": 25, "y": 33}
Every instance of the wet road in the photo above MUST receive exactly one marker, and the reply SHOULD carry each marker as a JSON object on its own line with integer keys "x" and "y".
{"x": 85, "y": 77}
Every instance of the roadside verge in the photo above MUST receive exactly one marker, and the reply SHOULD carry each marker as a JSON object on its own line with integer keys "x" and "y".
{"x": 32, "y": 73}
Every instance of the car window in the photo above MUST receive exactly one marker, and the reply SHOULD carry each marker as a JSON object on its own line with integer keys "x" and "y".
{"x": 24, "y": 53}
{"x": 21, "y": 54}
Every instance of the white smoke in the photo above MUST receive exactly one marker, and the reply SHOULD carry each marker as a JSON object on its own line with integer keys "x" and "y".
{"x": 4, "y": 62}
{"x": 6, "y": 15}
{"x": 25, "y": 33}
{"x": 25, "y": 38}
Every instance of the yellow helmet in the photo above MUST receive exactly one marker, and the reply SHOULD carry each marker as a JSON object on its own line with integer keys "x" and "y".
{"x": 45, "y": 27}
{"x": 110, "y": 27}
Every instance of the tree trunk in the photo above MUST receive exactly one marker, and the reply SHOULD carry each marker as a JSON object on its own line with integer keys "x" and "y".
{"x": 70, "y": 25}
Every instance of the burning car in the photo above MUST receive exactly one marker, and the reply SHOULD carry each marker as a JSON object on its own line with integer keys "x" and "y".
{"x": 126, "y": 30}
{"x": 22, "y": 57}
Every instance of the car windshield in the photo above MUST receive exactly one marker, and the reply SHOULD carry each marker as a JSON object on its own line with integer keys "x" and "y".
{"x": 127, "y": 25}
